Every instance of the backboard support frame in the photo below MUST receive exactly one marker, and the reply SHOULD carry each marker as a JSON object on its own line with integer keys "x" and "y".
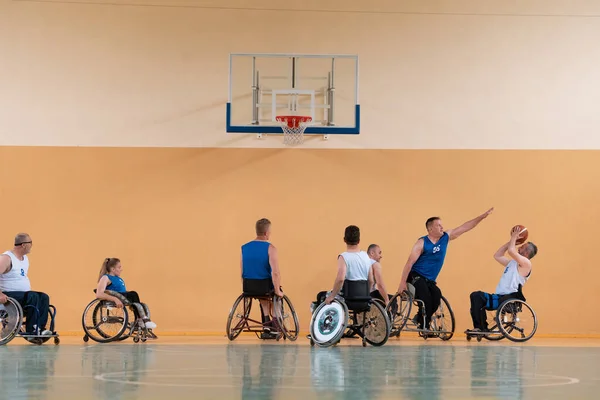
{"x": 327, "y": 127}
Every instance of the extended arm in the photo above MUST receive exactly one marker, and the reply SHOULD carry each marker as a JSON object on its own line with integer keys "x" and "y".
{"x": 339, "y": 280}
{"x": 415, "y": 253}
{"x": 467, "y": 226}
{"x": 523, "y": 262}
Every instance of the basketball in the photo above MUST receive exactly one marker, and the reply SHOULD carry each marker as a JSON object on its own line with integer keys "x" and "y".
{"x": 524, "y": 234}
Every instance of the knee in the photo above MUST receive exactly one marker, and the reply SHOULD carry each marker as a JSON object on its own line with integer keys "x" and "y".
{"x": 44, "y": 297}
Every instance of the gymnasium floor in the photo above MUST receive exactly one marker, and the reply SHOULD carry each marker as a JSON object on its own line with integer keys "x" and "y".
{"x": 213, "y": 368}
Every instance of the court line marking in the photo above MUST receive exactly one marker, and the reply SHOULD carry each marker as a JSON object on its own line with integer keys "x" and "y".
{"x": 111, "y": 377}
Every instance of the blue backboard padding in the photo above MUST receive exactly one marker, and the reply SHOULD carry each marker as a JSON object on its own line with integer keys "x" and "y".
{"x": 323, "y": 130}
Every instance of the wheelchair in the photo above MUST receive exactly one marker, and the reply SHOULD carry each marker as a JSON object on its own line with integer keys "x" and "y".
{"x": 352, "y": 313}
{"x": 284, "y": 324}
{"x": 514, "y": 319}
{"x": 12, "y": 324}
{"x": 403, "y": 318}
{"x": 104, "y": 322}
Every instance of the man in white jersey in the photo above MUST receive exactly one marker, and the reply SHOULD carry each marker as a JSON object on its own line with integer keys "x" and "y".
{"x": 378, "y": 290}
{"x": 516, "y": 273}
{"x": 14, "y": 283}
{"x": 353, "y": 264}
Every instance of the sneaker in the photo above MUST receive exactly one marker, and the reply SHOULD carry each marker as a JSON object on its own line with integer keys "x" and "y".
{"x": 150, "y": 325}
{"x": 47, "y": 333}
{"x": 268, "y": 335}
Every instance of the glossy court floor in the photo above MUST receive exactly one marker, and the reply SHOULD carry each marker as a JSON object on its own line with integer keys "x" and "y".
{"x": 213, "y": 368}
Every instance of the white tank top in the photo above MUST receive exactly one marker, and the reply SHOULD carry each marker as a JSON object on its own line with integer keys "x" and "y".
{"x": 357, "y": 265}
{"x": 16, "y": 279}
{"x": 510, "y": 281}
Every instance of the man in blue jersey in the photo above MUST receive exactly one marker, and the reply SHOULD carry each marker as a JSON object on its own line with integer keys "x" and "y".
{"x": 426, "y": 260}
{"x": 260, "y": 269}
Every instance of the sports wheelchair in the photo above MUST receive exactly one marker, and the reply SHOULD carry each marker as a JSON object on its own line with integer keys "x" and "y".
{"x": 403, "y": 319}
{"x": 352, "y": 313}
{"x": 104, "y": 322}
{"x": 514, "y": 319}
{"x": 284, "y": 325}
{"x": 12, "y": 324}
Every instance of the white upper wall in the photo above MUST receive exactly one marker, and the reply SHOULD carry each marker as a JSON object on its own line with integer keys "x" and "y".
{"x": 433, "y": 75}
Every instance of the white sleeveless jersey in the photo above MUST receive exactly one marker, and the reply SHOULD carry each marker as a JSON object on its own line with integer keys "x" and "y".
{"x": 357, "y": 265}
{"x": 16, "y": 280}
{"x": 510, "y": 281}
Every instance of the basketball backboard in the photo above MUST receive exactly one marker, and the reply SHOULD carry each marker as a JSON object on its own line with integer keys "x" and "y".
{"x": 322, "y": 86}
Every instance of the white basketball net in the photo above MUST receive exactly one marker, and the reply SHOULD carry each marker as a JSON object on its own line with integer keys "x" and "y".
{"x": 293, "y": 129}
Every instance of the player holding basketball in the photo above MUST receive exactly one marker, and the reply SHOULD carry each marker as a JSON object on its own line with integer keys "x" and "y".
{"x": 426, "y": 260}
{"x": 516, "y": 273}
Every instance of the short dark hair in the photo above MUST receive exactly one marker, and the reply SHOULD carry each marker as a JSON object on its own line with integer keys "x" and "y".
{"x": 430, "y": 221}
{"x": 21, "y": 238}
{"x": 372, "y": 247}
{"x": 352, "y": 235}
{"x": 532, "y": 250}
{"x": 262, "y": 225}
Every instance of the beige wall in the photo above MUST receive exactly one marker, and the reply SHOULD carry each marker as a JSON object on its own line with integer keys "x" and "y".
{"x": 177, "y": 219}
{"x": 462, "y": 74}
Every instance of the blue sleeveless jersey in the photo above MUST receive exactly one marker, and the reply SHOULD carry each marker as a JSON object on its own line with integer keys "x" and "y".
{"x": 116, "y": 284}
{"x": 255, "y": 260}
{"x": 430, "y": 262}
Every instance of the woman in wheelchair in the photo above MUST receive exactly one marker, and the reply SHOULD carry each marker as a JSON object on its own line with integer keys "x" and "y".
{"x": 111, "y": 287}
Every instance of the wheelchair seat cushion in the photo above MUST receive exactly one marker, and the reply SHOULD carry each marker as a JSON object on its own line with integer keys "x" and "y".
{"x": 258, "y": 287}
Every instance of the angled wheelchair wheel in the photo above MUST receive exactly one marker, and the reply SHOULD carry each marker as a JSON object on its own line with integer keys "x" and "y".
{"x": 286, "y": 317}
{"x": 103, "y": 322}
{"x": 376, "y": 325}
{"x": 443, "y": 323}
{"x": 399, "y": 308}
{"x": 11, "y": 317}
{"x": 328, "y": 323}
{"x": 238, "y": 316}
{"x": 516, "y": 320}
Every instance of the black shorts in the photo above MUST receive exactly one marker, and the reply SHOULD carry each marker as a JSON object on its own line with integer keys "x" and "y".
{"x": 258, "y": 287}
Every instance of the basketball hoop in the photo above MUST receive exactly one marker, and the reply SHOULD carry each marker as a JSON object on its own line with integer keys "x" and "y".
{"x": 293, "y": 128}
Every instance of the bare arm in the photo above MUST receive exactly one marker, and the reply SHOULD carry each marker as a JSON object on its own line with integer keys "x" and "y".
{"x": 102, "y": 295}
{"x": 339, "y": 280}
{"x": 377, "y": 272}
{"x": 500, "y": 255}
{"x": 524, "y": 263}
{"x": 415, "y": 253}
{"x": 371, "y": 278}
{"x": 275, "y": 273}
{"x": 5, "y": 264}
{"x": 467, "y": 226}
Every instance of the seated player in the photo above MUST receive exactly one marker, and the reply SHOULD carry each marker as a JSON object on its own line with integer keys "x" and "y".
{"x": 516, "y": 273}
{"x": 14, "y": 283}
{"x": 378, "y": 290}
{"x": 353, "y": 264}
{"x": 110, "y": 279}
{"x": 260, "y": 271}
{"x": 426, "y": 261}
